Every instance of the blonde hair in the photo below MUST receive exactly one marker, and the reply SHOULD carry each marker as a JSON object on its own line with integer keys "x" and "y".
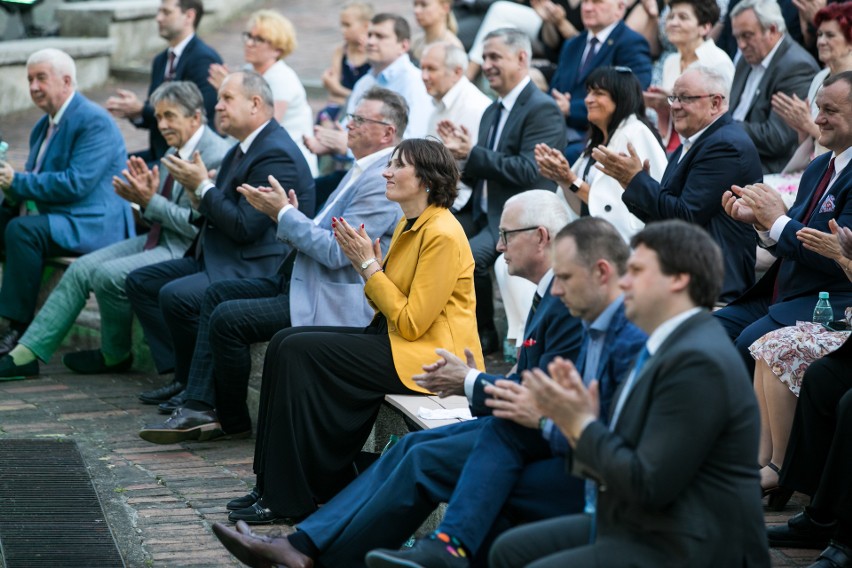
{"x": 277, "y": 30}
{"x": 452, "y": 23}
{"x": 363, "y": 10}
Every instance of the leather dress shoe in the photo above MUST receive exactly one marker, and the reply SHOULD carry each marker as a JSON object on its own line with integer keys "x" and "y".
{"x": 8, "y": 339}
{"x": 244, "y": 501}
{"x": 11, "y": 372}
{"x": 427, "y": 552}
{"x": 835, "y": 556}
{"x": 184, "y": 425}
{"x": 258, "y": 551}
{"x": 255, "y": 514}
{"x": 161, "y": 394}
{"x": 173, "y": 403}
{"x": 800, "y": 532}
{"x": 489, "y": 341}
{"x": 91, "y": 362}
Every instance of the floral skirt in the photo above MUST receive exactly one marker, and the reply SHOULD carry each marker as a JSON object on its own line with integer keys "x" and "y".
{"x": 789, "y": 351}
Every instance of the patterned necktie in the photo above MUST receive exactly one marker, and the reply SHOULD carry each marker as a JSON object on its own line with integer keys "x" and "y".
{"x": 590, "y": 54}
{"x": 157, "y": 227}
{"x": 170, "y": 67}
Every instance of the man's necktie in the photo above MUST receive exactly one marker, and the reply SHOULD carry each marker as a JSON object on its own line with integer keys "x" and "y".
{"x": 590, "y": 54}
{"x": 536, "y": 301}
{"x": 819, "y": 192}
{"x": 480, "y": 189}
{"x": 157, "y": 227}
{"x": 51, "y": 130}
{"x": 170, "y": 67}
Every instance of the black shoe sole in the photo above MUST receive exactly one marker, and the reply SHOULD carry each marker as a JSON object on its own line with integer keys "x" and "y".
{"x": 377, "y": 559}
{"x": 201, "y": 433}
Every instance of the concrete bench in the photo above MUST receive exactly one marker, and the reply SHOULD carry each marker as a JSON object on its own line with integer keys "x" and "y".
{"x": 90, "y": 55}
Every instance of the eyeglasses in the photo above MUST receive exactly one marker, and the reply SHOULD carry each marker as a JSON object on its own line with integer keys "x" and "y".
{"x": 358, "y": 120}
{"x": 504, "y": 234}
{"x": 248, "y": 37}
{"x": 689, "y": 99}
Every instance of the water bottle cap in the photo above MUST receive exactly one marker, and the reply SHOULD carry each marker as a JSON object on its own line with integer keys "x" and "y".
{"x": 823, "y": 295}
{"x": 3, "y": 146}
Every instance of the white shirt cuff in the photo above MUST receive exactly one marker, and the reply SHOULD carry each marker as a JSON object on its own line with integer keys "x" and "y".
{"x": 283, "y": 210}
{"x": 202, "y": 189}
{"x": 469, "y": 382}
{"x": 778, "y": 228}
{"x": 547, "y": 429}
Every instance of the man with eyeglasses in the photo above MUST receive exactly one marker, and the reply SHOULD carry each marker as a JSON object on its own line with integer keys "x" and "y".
{"x": 186, "y": 59}
{"x": 316, "y": 286}
{"x": 386, "y": 504}
{"x": 715, "y": 153}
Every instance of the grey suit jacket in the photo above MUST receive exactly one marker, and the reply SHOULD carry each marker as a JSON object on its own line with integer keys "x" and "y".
{"x": 678, "y": 475}
{"x": 791, "y": 71}
{"x": 174, "y": 214}
{"x": 324, "y": 288}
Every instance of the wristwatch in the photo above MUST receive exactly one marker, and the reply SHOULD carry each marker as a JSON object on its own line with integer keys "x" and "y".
{"x": 367, "y": 263}
{"x": 575, "y": 185}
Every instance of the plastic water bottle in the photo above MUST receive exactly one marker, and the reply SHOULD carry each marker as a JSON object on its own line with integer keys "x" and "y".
{"x": 4, "y": 149}
{"x": 822, "y": 312}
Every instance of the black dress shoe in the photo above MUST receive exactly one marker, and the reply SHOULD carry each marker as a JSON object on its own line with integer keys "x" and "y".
{"x": 173, "y": 403}
{"x": 244, "y": 501}
{"x": 8, "y": 340}
{"x": 91, "y": 362}
{"x": 161, "y": 394}
{"x": 256, "y": 550}
{"x": 801, "y": 532}
{"x": 184, "y": 425}
{"x": 835, "y": 556}
{"x": 11, "y": 372}
{"x": 256, "y": 514}
{"x": 489, "y": 341}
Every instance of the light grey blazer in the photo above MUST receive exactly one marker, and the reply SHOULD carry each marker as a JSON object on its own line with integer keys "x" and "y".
{"x": 174, "y": 213}
{"x": 324, "y": 288}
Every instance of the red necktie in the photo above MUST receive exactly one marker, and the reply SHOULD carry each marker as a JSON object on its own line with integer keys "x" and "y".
{"x": 170, "y": 68}
{"x": 819, "y": 192}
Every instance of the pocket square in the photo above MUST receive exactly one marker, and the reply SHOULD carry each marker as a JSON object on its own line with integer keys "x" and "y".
{"x": 827, "y": 205}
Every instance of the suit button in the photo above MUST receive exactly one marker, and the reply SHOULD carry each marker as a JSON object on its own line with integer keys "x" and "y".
{"x": 607, "y": 208}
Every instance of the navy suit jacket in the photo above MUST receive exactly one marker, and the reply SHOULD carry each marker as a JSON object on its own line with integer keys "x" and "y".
{"x": 802, "y": 274}
{"x": 623, "y": 47}
{"x": 236, "y": 240}
{"x": 511, "y": 168}
{"x": 692, "y": 190}
{"x": 74, "y": 185}
{"x": 193, "y": 65}
{"x": 551, "y": 332}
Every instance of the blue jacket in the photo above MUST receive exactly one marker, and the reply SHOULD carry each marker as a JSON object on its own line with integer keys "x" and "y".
{"x": 74, "y": 186}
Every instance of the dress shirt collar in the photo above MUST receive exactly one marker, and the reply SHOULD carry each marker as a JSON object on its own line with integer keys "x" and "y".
{"x": 768, "y": 59}
{"x": 367, "y": 161}
{"x": 61, "y": 112}
{"x": 389, "y": 73}
{"x": 841, "y": 160}
{"x": 691, "y": 140}
{"x": 665, "y": 329}
{"x": 544, "y": 284}
{"x": 246, "y": 144}
{"x": 602, "y": 35}
{"x": 453, "y": 94}
{"x": 603, "y": 321}
{"x": 187, "y": 149}
{"x": 178, "y": 49}
{"x": 510, "y": 99}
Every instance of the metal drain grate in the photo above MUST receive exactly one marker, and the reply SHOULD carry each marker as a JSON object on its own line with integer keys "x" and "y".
{"x": 50, "y": 514}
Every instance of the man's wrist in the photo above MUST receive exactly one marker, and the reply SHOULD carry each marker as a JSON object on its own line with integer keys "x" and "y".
{"x": 203, "y": 187}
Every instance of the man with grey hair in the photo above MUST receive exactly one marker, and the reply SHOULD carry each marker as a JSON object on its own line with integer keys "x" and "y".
{"x": 234, "y": 240}
{"x": 454, "y": 97}
{"x": 772, "y": 62}
{"x": 715, "y": 153}
{"x": 502, "y": 163}
{"x": 384, "y": 505}
{"x": 165, "y": 205}
{"x": 75, "y": 149}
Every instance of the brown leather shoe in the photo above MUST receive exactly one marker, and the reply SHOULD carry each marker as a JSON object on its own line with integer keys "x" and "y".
{"x": 260, "y": 552}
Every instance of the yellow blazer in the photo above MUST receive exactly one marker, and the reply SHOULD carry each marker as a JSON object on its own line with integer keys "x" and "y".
{"x": 426, "y": 293}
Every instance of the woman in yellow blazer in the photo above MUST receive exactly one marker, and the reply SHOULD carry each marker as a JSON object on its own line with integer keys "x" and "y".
{"x": 322, "y": 387}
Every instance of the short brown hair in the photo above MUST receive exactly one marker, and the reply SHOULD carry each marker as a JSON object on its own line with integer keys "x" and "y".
{"x": 434, "y": 166}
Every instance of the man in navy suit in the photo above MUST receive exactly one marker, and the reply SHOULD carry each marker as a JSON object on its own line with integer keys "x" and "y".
{"x": 75, "y": 149}
{"x": 186, "y": 59}
{"x": 406, "y": 484}
{"x": 502, "y": 162}
{"x": 606, "y": 41}
{"x": 235, "y": 240}
{"x": 788, "y": 291}
{"x": 588, "y": 260}
{"x": 322, "y": 290}
{"x": 715, "y": 154}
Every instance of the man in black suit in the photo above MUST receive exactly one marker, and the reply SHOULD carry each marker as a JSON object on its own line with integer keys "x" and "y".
{"x": 772, "y": 62}
{"x": 236, "y": 240}
{"x": 186, "y": 59}
{"x": 677, "y": 480}
{"x": 502, "y": 163}
{"x": 788, "y": 291}
{"x": 715, "y": 153}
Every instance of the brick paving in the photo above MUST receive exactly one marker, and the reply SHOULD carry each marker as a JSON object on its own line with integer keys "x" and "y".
{"x": 160, "y": 501}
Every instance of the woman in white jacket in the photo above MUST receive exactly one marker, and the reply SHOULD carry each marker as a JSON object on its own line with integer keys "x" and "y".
{"x": 616, "y": 116}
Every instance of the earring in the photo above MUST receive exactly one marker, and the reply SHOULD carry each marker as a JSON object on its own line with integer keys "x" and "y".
{"x": 427, "y": 190}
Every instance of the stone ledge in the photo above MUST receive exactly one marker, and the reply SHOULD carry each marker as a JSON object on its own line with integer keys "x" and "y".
{"x": 18, "y": 51}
